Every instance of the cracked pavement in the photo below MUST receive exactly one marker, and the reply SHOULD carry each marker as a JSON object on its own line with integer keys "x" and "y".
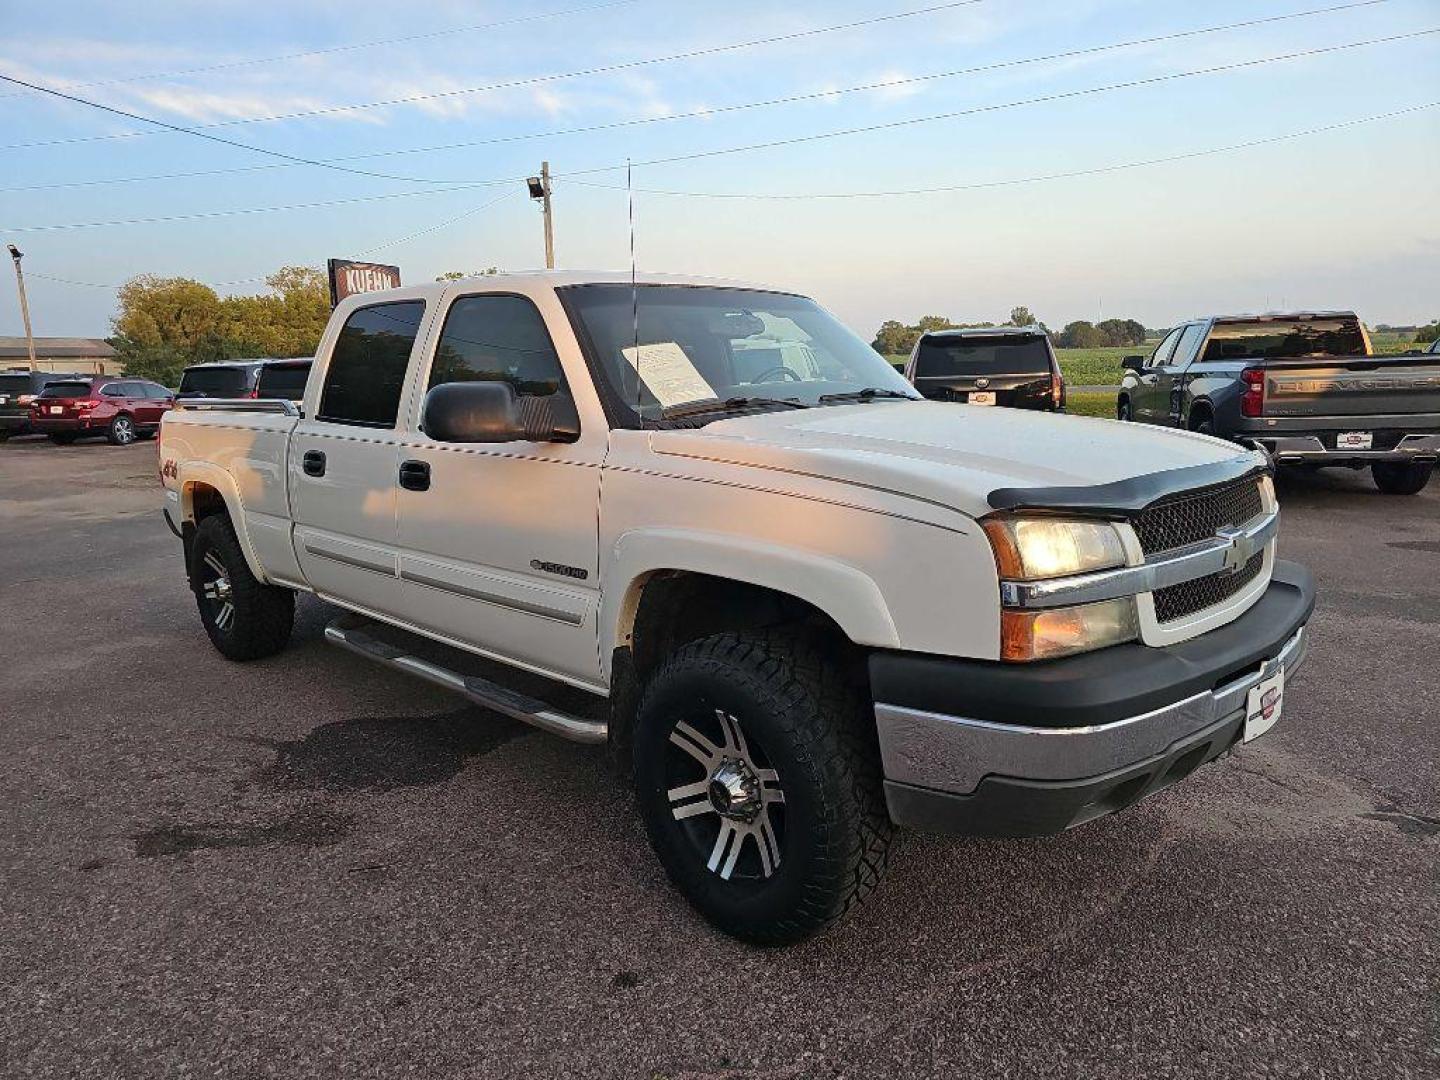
{"x": 312, "y": 866}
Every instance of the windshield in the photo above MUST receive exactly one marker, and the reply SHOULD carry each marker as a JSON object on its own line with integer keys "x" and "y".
{"x": 1009, "y": 354}
{"x": 285, "y": 381}
{"x": 1283, "y": 339}
{"x": 66, "y": 390}
{"x": 216, "y": 381}
{"x": 702, "y": 344}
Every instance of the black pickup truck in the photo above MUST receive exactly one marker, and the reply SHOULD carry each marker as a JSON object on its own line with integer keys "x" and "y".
{"x": 1303, "y": 387}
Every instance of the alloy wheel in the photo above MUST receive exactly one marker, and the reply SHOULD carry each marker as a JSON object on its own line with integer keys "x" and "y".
{"x": 124, "y": 430}
{"x": 724, "y": 795}
{"x": 215, "y": 588}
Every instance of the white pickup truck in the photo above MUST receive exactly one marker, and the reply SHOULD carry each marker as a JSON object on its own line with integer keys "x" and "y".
{"x": 706, "y": 524}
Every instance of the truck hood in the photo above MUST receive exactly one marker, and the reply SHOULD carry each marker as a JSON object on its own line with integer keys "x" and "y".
{"x": 948, "y": 454}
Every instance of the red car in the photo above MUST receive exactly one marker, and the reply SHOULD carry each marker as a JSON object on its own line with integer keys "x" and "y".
{"x": 120, "y": 409}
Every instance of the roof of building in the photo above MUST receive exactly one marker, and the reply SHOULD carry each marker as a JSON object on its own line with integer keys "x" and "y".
{"x": 57, "y": 346}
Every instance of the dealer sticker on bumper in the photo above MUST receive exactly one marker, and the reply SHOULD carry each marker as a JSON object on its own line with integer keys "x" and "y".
{"x": 984, "y": 397}
{"x": 1262, "y": 705}
{"x": 1354, "y": 440}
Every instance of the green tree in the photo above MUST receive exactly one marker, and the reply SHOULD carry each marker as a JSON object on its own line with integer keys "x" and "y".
{"x": 894, "y": 338}
{"x": 1080, "y": 334}
{"x": 1020, "y": 316}
{"x": 1121, "y": 332}
{"x": 1427, "y": 334}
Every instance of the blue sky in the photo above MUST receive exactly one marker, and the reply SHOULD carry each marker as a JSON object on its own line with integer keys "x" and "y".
{"x": 1345, "y": 218}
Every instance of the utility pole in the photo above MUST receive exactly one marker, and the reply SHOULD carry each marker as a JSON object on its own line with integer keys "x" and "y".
{"x": 540, "y": 190}
{"x": 16, "y": 254}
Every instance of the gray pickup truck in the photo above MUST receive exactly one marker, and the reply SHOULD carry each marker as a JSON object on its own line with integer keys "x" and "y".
{"x": 1305, "y": 388}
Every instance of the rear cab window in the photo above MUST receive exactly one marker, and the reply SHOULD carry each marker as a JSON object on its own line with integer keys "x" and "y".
{"x": 999, "y": 354}
{"x": 1282, "y": 339}
{"x": 216, "y": 381}
{"x": 283, "y": 381}
{"x": 366, "y": 374}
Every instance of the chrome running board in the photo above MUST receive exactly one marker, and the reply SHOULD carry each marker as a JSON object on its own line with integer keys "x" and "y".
{"x": 350, "y": 632}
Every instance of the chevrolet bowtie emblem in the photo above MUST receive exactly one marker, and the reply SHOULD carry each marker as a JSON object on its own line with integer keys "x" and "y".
{"x": 980, "y": 384}
{"x": 1240, "y": 551}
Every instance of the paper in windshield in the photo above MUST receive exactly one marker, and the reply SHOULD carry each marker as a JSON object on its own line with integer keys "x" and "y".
{"x": 668, "y": 373}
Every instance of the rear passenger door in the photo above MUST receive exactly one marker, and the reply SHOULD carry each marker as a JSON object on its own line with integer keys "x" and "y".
{"x": 344, "y": 456}
{"x": 499, "y": 549}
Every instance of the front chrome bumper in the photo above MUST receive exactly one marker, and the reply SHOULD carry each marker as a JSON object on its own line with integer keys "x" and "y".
{"x": 1308, "y": 449}
{"x": 953, "y": 754}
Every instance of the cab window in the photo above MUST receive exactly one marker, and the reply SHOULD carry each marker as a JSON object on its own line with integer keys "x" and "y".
{"x": 497, "y": 339}
{"x": 367, "y": 367}
{"x": 1161, "y": 356}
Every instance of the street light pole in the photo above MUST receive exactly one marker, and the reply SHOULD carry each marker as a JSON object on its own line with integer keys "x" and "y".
{"x": 540, "y": 191}
{"x": 16, "y": 254}
{"x": 549, "y": 219}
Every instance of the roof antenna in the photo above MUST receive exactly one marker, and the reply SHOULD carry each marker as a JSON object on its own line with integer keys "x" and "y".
{"x": 634, "y": 291}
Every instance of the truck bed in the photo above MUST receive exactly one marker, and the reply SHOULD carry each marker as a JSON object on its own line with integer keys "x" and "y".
{"x": 1345, "y": 386}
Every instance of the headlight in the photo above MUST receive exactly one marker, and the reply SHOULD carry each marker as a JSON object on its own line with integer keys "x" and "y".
{"x": 1039, "y": 547}
{"x": 1042, "y": 635}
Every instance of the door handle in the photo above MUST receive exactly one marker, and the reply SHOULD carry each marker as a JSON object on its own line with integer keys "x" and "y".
{"x": 313, "y": 463}
{"x": 415, "y": 475}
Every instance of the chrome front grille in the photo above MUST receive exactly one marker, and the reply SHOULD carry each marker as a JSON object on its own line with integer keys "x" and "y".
{"x": 1196, "y": 516}
{"x": 1193, "y": 518}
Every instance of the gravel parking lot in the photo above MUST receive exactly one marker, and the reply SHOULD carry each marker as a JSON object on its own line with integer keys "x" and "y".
{"x": 313, "y": 866}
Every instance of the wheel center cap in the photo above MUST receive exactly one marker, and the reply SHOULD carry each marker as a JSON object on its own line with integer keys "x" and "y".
{"x": 734, "y": 790}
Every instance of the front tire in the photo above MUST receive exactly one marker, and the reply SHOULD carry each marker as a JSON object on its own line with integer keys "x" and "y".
{"x": 245, "y": 618}
{"x": 758, "y": 778}
{"x": 1402, "y": 478}
{"x": 1122, "y": 411}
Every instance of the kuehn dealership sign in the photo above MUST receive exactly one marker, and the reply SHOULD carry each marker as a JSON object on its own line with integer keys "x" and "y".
{"x": 348, "y": 278}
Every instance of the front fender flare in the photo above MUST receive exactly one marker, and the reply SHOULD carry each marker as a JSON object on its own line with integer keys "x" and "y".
{"x": 844, "y": 593}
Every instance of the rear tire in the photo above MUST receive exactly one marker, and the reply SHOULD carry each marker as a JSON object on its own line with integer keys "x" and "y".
{"x": 245, "y": 618}
{"x": 1402, "y": 478}
{"x": 121, "y": 431}
{"x": 801, "y": 753}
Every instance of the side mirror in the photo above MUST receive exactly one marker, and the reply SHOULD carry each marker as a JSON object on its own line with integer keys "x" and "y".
{"x": 491, "y": 412}
{"x": 1133, "y": 363}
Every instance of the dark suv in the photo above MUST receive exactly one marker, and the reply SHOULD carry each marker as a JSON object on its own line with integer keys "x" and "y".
{"x": 226, "y": 379}
{"x": 1000, "y": 365}
{"x": 120, "y": 409}
{"x": 17, "y": 390}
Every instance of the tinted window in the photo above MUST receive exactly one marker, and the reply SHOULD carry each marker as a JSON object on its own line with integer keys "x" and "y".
{"x": 367, "y": 368}
{"x": 216, "y": 381}
{"x": 14, "y": 384}
{"x": 284, "y": 381}
{"x": 155, "y": 390}
{"x": 1285, "y": 338}
{"x": 497, "y": 339}
{"x": 66, "y": 390}
{"x": 1165, "y": 349}
{"x": 133, "y": 389}
{"x": 939, "y": 357}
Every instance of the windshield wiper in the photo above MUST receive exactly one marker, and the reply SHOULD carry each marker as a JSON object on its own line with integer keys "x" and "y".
{"x": 870, "y": 393}
{"x": 699, "y": 408}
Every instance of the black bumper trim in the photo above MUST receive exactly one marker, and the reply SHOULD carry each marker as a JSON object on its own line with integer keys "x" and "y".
{"x": 1104, "y": 686}
{"x": 1006, "y": 806}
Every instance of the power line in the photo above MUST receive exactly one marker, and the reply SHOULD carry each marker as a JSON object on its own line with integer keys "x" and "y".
{"x": 535, "y": 80}
{"x": 1014, "y": 181}
{"x": 242, "y": 211}
{"x": 279, "y": 58}
{"x": 723, "y": 109}
{"x": 772, "y": 144}
{"x": 979, "y": 109}
{"x": 293, "y": 158}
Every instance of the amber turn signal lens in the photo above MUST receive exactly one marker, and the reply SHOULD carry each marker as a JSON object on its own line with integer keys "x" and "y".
{"x": 1043, "y": 635}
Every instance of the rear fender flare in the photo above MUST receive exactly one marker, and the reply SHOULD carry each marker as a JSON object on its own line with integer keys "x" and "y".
{"x": 193, "y": 474}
